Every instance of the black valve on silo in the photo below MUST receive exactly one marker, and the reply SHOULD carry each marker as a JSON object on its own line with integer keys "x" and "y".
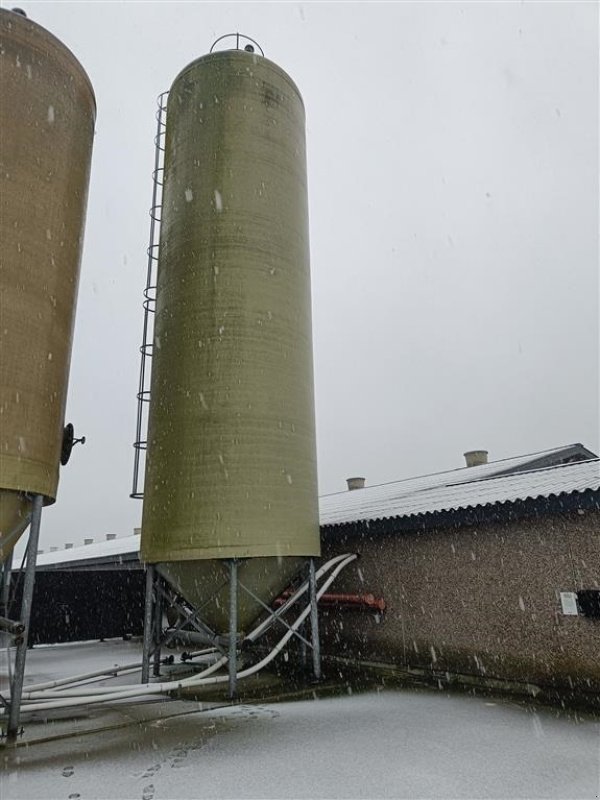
{"x": 68, "y": 443}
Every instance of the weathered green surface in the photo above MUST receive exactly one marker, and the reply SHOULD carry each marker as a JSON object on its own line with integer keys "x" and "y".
{"x": 205, "y": 584}
{"x": 47, "y": 112}
{"x": 231, "y": 467}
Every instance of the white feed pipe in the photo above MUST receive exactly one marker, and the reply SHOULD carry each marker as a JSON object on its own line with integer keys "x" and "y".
{"x": 195, "y": 680}
{"x": 201, "y": 679}
{"x": 83, "y": 678}
{"x": 92, "y": 677}
{"x": 31, "y": 691}
{"x": 253, "y": 635}
{"x": 82, "y": 691}
{"x": 138, "y": 691}
{"x": 284, "y": 640}
{"x": 109, "y": 673}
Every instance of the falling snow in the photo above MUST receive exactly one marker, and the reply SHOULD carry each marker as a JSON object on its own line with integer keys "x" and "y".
{"x": 382, "y": 744}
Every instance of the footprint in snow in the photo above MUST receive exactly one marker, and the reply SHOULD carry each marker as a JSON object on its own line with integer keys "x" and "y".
{"x": 178, "y": 756}
{"x": 150, "y": 771}
{"x": 148, "y": 792}
{"x": 256, "y": 712}
{"x": 74, "y": 796}
{"x": 67, "y": 772}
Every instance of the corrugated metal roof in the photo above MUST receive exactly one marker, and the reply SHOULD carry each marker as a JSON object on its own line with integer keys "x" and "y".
{"x": 481, "y": 472}
{"x": 114, "y": 547}
{"x": 467, "y": 487}
{"x": 447, "y": 492}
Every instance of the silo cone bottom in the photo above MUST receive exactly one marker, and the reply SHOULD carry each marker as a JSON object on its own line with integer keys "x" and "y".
{"x": 15, "y": 508}
{"x": 205, "y": 585}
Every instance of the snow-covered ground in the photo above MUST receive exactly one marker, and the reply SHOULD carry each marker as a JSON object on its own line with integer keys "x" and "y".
{"x": 410, "y": 744}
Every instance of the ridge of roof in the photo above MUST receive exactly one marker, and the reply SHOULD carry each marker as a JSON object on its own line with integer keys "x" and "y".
{"x": 543, "y": 483}
{"x": 532, "y": 471}
{"x": 522, "y": 459}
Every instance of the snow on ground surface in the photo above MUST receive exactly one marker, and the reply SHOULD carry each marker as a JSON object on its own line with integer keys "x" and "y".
{"x": 49, "y": 662}
{"x": 393, "y": 744}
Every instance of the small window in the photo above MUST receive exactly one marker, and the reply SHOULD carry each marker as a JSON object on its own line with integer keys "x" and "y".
{"x": 588, "y": 601}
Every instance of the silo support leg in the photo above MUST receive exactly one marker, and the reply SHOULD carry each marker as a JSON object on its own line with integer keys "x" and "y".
{"x": 314, "y": 620}
{"x": 148, "y": 623}
{"x": 25, "y": 617}
{"x": 5, "y": 591}
{"x": 158, "y": 613}
{"x": 233, "y": 612}
{"x": 303, "y": 648}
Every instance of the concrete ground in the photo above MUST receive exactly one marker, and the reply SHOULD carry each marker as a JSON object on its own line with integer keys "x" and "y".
{"x": 382, "y": 743}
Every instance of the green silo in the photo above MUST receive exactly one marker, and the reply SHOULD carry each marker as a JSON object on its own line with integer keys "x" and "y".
{"x": 231, "y": 461}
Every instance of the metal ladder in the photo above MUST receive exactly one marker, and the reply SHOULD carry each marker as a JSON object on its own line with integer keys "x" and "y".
{"x": 149, "y": 304}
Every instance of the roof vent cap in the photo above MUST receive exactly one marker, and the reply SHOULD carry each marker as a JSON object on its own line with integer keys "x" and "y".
{"x": 355, "y": 483}
{"x": 475, "y": 458}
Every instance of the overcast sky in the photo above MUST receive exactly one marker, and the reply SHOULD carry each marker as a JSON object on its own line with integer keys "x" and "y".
{"x": 453, "y": 194}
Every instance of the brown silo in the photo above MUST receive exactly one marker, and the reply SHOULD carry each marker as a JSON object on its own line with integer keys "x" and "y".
{"x": 47, "y": 119}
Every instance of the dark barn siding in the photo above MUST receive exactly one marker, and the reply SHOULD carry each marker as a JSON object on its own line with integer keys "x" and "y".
{"x": 70, "y": 606}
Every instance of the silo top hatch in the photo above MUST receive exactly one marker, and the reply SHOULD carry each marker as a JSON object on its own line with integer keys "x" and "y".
{"x": 244, "y": 59}
{"x": 17, "y": 29}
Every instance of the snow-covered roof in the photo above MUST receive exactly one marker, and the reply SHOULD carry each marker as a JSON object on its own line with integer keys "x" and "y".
{"x": 506, "y": 480}
{"x": 468, "y": 488}
{"x": 123, "y": 546}
{"x": 531, "y": 461}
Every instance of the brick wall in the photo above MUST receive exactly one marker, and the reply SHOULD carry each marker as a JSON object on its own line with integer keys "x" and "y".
{"x": 481, "y": 600}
